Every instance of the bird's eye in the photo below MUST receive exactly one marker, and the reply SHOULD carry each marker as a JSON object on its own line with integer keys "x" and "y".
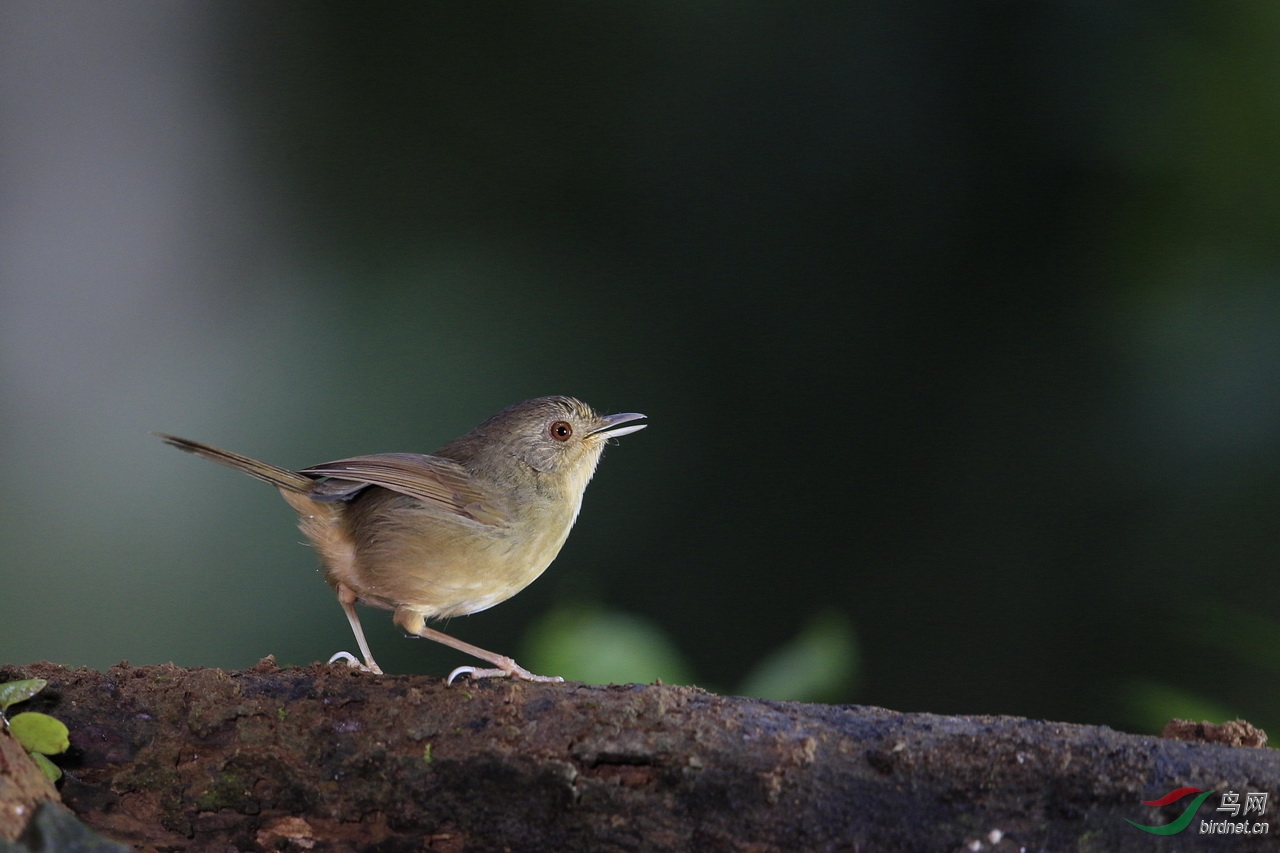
{"x": 561, "y": 430}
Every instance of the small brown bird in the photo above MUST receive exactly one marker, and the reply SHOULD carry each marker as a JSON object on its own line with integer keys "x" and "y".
{"x": 452, "y": 533}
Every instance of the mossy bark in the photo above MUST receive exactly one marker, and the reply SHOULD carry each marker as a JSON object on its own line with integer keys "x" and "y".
{"x": 327, "y": 758}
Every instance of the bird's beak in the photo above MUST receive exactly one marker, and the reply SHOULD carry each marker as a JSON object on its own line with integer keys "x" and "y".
{"x": 612, "y": 426}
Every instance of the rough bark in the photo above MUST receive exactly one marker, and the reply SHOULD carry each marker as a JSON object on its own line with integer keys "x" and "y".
{"x": 327, "y": 758}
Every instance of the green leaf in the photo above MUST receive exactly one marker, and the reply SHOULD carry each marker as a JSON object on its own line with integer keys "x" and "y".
{"x": 13, "y": 692}
{"x": 39, "y": 733}
{"x": 820, "y": 665}
{"x": 51, "y": 771}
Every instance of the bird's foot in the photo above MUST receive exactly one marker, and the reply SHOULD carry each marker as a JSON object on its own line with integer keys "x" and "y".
{"x": 514, "y": 671}
{"x": 353, "y": 662}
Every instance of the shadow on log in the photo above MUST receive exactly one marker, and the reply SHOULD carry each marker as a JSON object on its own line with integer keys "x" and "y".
{"x": 327, "y": 758}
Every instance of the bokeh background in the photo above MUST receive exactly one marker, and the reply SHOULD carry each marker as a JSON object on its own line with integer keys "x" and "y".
{"x": 958, "y": 325}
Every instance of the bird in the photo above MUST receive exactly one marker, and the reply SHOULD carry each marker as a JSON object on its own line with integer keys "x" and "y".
{"x": 454, "y": 532}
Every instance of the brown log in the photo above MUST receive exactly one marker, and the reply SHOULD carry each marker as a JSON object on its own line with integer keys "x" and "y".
{"x": 327, "y": 758}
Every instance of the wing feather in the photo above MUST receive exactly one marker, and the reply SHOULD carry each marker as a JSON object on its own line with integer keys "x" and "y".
{"x": 436, "y": 481}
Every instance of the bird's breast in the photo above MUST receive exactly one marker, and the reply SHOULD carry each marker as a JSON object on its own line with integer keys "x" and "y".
{"x": 409, "y": 555}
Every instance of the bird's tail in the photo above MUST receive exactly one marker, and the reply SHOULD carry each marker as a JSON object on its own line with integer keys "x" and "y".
{"x": 279, "y": 477}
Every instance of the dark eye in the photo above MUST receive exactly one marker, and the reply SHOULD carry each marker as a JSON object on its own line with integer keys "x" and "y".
{"x": 561, "y": 430}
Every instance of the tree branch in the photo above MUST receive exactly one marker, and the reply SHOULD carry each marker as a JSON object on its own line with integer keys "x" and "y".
{"x": 325, "y": 757}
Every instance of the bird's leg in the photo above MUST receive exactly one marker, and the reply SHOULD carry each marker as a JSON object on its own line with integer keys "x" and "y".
{"x": 347, "y": 598}
{"x": 505, "y": 667}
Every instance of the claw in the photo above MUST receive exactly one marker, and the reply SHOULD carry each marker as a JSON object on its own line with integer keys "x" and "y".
{"x": 474, "y": 673}
{"x": 518, "y": 672}
{"x": 353, "y": 662}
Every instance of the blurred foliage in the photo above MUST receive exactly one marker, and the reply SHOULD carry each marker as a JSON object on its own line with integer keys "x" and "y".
{"x": 1242, "y": 634}
{"x": 1149, "y": 705}
{"x": 819, "y": 665}
{"x": 1241, "y": 643}
{"x": 599, "y": 646}
{"x": 603, "y": 647}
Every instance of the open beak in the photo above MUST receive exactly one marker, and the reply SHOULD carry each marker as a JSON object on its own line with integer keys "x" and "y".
{"x": 612, "y": 426}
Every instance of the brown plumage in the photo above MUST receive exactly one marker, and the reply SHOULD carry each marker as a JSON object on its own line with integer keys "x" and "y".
{"x": 452, "y": 533}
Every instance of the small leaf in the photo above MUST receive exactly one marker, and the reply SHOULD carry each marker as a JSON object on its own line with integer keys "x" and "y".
{"x": 51, "y": 771}
{"x": 39, "y": 733}
{"x": 13, "y": 692}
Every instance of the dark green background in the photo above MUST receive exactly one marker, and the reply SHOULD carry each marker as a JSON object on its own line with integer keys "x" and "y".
{"x": 960, "y": 320}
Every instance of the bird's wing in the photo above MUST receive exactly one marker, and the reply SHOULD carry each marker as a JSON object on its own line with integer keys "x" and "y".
{"x": 435, "y": 481}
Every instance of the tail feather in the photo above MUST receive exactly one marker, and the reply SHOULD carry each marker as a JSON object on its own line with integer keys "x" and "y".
{"x": 279, "y": 477}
